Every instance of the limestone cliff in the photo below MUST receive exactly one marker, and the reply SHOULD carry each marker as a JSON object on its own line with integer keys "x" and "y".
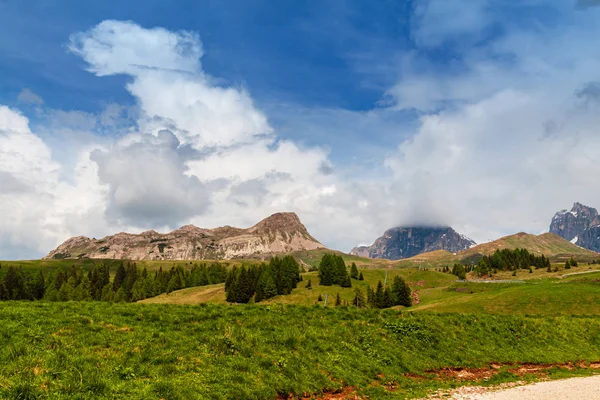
{"x": 279, "y": 233}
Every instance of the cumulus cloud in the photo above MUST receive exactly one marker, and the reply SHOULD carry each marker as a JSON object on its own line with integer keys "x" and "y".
{"x": 499, "y": 149}
{"x": 505, "y": 137}
{"x": 38, "y": 207}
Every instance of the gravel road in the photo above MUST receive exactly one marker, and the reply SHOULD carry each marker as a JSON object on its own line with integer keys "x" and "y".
{"x": 586, "y": 388}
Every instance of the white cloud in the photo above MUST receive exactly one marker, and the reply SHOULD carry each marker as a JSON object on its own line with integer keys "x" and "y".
{"x": 38, "y": 208}
{"x": 508, "y": 138}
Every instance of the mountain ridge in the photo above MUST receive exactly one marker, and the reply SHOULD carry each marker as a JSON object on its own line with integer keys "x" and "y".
{"x": 580, "y": 225}
{"x": 278, "y": 233}
{"x": 404, "y": 242}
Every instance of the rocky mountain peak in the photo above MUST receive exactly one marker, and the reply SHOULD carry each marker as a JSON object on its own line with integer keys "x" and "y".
{"x": 404, "y": 242}
{"x": 580, "y": 225}
{"x": 282, "y": 221}
{"x": 279, "y": 233}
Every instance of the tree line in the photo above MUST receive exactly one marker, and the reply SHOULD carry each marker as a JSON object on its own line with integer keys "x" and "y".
{"x": 383, "y": 296}
{"x": 510, "y": 260}
{"x": 262, "y": 282}
{"x": 129, "y": 283}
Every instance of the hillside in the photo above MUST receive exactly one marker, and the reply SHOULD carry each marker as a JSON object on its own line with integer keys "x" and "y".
{"x": 279, "y": 233}
{"x": 548, "y": 244}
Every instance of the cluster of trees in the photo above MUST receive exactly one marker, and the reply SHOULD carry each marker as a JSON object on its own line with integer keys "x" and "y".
{"x": 129, "y": 283}
{"x": 510, "y": 260}
{"x": 399, "y": 294}
{"x": 262, "y": 282}
{"x": 332, "y": 271}
{"x": 570, "y": 263}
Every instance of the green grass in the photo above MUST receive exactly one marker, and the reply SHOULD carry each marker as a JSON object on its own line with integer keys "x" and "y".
{"x": 302, "y": 296}
{"x": 544, "y": 297}
{"x": 107, "y": 351}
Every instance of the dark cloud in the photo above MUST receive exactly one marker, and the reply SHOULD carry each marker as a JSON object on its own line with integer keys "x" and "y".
{"x": 589, "y": 92}
{"x": 148, "y": 183}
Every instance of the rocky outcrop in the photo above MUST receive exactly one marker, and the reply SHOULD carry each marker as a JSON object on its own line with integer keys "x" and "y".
{"x": 405, "y": 242}
{"x": 279, "y": 233}
{"x": 581, "y": 226}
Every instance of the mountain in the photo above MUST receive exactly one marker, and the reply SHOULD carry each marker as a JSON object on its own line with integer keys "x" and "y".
{"x": 581, "y": 226}
{"x": 279, "y": 233}
{"x": 552, "y": 246}
{"x": 404, "y": 242}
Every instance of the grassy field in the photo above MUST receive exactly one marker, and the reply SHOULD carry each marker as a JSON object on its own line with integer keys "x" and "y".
{"x": 106, "y": 351}
{"x": 542, "y": 293}
{"x": 303, "y": 296}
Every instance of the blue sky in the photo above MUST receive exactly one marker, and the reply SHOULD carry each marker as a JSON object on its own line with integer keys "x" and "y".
{"x": 357, "y": 115}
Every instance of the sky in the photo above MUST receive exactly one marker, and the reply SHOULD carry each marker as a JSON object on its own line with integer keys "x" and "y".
{"x": 359, "y": 116}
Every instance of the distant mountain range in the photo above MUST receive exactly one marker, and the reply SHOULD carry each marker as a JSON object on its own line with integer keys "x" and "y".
{"x": 285, "y": 233}
{"x": 279, "y": 233}
{"x": 405, "y": 242}
{"x": 552, "y": 246}
{"x": 580, "y": 226}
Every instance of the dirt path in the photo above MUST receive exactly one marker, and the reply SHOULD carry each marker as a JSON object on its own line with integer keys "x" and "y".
{"x": 586, "y": 388}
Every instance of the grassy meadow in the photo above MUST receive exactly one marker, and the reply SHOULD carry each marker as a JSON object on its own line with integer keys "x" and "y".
{"x": 191, "y": 344}
{"x": 92, "y": 350}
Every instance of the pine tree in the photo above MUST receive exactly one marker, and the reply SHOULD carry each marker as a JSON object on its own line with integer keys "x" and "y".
{"x": 387, "y": 298}
{"x": 567, "y": 264}
{"x": 359, "y": 299}
{"x": 353, "y": 271}
{"x": 120, "y": 296}
{"x": 308, "y": 284}
{"x": 120, "y": 276}
{"x": 361, "y": 277}
{"x": 83, "y": 291}
{"x": 39, "y": 286}
{"x": 346, "y": 282}
{"x": 401, "y": 292}
{"x": 320, "y": 298}
{"x": 573, "y": 262}
{"x": 107, "y": 293}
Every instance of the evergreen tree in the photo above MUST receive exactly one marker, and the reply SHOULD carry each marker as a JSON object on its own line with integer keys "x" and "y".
{"x": 401, "y": 292}
{"x": 568, "y": 264}
{"x": 361, "y": 277}
{"x": 387, "y": 298}
{"x": 308, "y": 284}
{"x": 320, "y": 298}
{"x": 353, "y": 271}
{"x": 359, "y": 299}
{"x": 107, "y": 293}
{"x": 83, "y": 291}
{"x": 120, "y": 296}
{"x": 39, "y": 286}
{"x": 459, "y": 271}
{"x": 573, "y": 262}
{"x": 338, "y": 300}
{"x": 120, "y": 276}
